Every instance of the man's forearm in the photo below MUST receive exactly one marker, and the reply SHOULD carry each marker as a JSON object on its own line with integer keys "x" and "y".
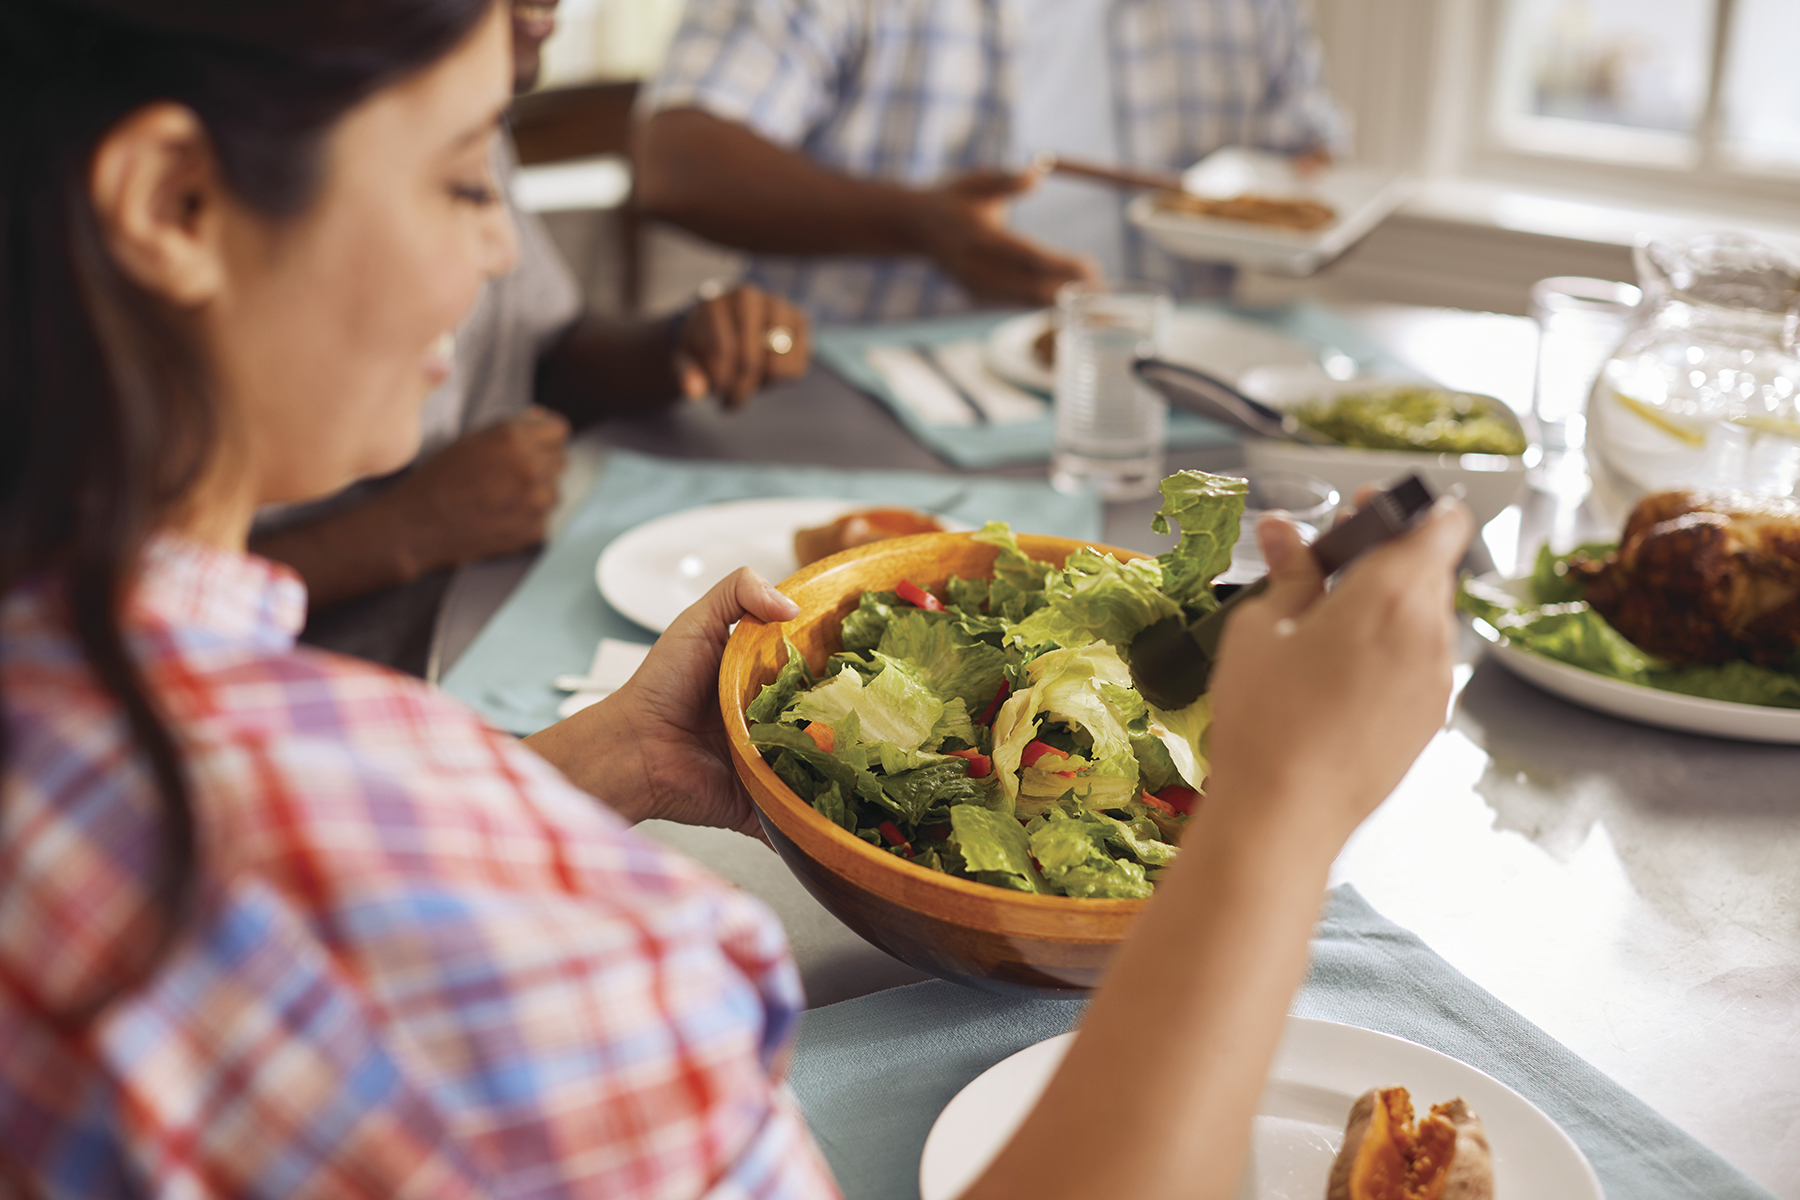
{"x": 351, "y": 552}
{"x": 724, "y": 182}
{"x": 602, "y": 368}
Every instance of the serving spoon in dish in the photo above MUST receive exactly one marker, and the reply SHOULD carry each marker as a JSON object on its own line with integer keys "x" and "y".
{"x": 1210, "y": 396}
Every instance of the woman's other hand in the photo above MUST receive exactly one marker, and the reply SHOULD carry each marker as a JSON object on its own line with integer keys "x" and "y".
{"x": 657, "y": 746}
{"x": 734, "y": 344}
{"x": 486, "y": 494}
{"x": 1335, "y": 694}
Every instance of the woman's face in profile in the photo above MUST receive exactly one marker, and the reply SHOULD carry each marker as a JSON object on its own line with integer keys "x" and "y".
{"x": 332, "y": 327}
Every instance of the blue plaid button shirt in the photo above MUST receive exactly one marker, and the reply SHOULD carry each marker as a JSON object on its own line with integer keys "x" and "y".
{"x": 914, "y": 91}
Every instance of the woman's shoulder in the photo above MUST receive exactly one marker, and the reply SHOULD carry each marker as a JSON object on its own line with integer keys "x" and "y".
{"x": 314, "y": 753}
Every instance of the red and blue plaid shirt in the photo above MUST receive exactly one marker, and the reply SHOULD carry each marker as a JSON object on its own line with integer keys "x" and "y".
{"x": 421, "y": 965}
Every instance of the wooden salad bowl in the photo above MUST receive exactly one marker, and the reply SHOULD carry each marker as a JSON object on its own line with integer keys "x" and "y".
{"x": 956, "y": 929}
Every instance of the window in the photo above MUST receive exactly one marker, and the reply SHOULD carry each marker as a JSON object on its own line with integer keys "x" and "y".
{"x": 1692, "y": 100}
{"x": 1624, "y": 79}
{"x": 608, "y": 39}
{"x": 1760, "y": 97}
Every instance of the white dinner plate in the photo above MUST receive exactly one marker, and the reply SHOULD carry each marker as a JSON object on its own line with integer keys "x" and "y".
{"x": 653, "y": 571}
{"x": 1210, "y": 342}
{"x": 1320, "y": 1069}
{"x": 1634, "y": 702}
{"x": 1362, "y": 198}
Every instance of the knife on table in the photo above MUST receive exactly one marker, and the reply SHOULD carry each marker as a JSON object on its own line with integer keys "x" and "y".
{"x": 1171, "y": 660}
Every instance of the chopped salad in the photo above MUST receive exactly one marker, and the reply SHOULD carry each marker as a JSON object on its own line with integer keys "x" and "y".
{"x": 989, "y": 729}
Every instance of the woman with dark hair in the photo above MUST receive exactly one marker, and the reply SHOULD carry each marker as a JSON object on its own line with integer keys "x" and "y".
{"x": 278, "y": 923}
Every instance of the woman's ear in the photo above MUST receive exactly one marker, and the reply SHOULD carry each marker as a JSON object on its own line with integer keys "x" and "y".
{"x": 159, "y": 199}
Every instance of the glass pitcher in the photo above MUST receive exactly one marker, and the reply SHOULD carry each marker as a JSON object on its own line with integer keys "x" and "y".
{"x": 1704, "y": 389}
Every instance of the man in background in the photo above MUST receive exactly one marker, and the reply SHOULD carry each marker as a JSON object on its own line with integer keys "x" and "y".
{"x": 377, "y": 559}
{"x": 867, "y": 153}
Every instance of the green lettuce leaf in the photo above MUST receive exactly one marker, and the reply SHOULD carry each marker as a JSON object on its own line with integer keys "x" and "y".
{"x": 1156, "y": 767}
{"x": 1097, "y": 598}
{"x": 850, "y": 779}
{"x": 1017, "y": 587}
{"x": 1738, "y": 681}
{"x": 790, "y": 681}
{"x": 955, "y": 723}
{"x": 1487, "y": 601}
{"x": 968, "y": 594}
{"x": 1206, "y": 511}
{"x": 1183, "y": 735}
{"x": 863, "y": 628}
{"x": 893, "y": 707}
{"x": 858, "y": 661}
{"x": 936, "y": 785}
{"x": 1066, "y": 686}
{"x": 994, "y": 848}
{"x": 893, "y": 760}
{"x": 947, "y": 660}
{"x": 1139, "y": 838}
{"x": 1550, "y": 582}
{"x": 1579, "y": 636}
{"x": 1077, "y": 860}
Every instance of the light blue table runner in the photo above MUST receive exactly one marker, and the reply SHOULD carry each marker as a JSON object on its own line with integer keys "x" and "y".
{"x": 976, "y": 447}
{"x": 552, "y": 622}
{"x": 872, "y": 1074}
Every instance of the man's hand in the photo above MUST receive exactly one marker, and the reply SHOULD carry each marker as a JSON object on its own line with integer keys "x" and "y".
{"x": 734, "y": 344}
{"x": 657, "y": 747}
{"x": 485, "y": 494}
{"x": 963, "y": 227}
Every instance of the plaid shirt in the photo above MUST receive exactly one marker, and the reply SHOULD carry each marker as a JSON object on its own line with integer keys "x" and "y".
{"x": 914, "y": 91}
{"x": 421, "y": 964}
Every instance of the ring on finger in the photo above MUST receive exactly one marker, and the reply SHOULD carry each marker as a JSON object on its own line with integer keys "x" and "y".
{"x": 779, "y": 339}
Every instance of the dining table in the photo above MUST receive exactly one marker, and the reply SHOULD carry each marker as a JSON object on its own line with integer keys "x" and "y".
{"x": 1632, "y": 891}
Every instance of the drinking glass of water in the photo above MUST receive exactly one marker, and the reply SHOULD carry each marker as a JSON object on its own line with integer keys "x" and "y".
{"x": 1111, "y": 429}
{"x": 1580, "y": 322}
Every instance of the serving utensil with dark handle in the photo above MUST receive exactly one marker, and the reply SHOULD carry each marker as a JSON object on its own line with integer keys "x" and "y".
{"x": 1171, "y": 660}
{"x": 1212, "y": 397}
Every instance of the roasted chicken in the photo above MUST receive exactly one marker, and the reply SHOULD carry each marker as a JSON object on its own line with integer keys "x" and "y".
{"x": 1704, "y": 577}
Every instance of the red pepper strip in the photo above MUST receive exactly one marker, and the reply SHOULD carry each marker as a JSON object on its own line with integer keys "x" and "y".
{"x": 1175, "y": 799}
{"x": 1065, "y": 774}
{"x": 1159, "y": 803}
{"x": 993, "y": 709}
{"x": 820, "y": 734}
{"x": 892, "y": 833}
{"x": 1036, "y": 750}
{"x": 1179, "y": 797}
{"x": 936, "y": 833}
{"x": 979, "y": 763}
{"x": 915, "y": 595}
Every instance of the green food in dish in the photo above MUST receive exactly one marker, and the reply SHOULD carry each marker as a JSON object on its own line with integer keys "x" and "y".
{"x": 1559, "y": 624}
{"x": 990, "y": 731}
{"x": 1416, "y": 417}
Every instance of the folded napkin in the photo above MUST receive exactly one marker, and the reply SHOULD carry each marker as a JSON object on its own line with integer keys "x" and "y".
{"x": 932, "y": 375}
{"x": 550, "y": 625}
{"x": 872, "y": 1074}
{"x": 614, "y": 664}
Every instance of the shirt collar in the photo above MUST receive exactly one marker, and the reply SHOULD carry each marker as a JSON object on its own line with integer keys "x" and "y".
{"x": 234, "y": 596}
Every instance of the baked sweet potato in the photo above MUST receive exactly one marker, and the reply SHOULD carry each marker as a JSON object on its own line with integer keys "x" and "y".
{"x": 1386, "y": 1156}
{"x": 860, "y": 528}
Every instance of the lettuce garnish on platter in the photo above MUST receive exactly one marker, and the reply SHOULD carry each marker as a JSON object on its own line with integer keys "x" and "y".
{"x": 990, "y": 730}
{"x": 1557, "y": 623}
